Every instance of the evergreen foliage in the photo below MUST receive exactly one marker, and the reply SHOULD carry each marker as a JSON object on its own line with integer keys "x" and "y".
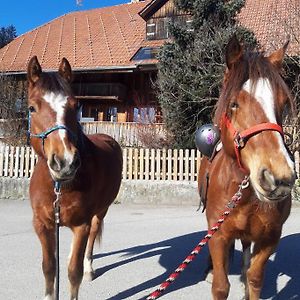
{"x": 7, "y": 34}
{"x": 192, "y": 65}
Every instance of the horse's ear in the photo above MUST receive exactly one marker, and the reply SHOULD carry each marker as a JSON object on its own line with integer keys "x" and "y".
{"x": 276, "y": 58}
{"x": 234, "y": 51}
{"x": 65, "y": 70}
{"x": 34, "y": 70}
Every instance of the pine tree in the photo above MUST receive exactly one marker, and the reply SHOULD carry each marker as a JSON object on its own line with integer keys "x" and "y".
{"x": 191, "y": 67}
{"x": 7, "y": 34}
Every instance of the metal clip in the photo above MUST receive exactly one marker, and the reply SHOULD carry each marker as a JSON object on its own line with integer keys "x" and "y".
{"x": 245, "y": 183}
{"x": 56, "y": 203}
{"x": 239, "y": 141}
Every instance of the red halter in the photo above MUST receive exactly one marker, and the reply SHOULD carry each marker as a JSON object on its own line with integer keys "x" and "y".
{"x": 240, "y": 138}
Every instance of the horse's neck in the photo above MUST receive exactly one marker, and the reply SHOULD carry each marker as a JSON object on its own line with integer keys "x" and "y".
{"x": 227, "y": 167}
{"x": 83, "y": 142}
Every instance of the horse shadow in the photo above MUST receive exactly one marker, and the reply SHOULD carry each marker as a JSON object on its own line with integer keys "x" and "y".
{"x": 173, "y": 251}
{"x": 286, "y": 263}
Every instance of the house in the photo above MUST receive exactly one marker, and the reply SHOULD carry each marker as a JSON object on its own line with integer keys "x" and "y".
{"x": 114, "y": 66}
{"x": 112, "y": 51}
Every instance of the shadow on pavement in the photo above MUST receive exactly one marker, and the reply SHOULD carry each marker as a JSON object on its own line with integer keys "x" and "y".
{"x": 173, "y": 251}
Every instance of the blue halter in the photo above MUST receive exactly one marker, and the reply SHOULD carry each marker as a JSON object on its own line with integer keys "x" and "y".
{"x": 43, "y": 135}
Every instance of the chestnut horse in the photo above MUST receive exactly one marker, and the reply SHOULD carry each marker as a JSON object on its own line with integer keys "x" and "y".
{"x": 249, "y": 115}
{"x": 88, "y": 168}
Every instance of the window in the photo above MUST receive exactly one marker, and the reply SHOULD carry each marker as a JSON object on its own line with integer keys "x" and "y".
{"x": 146, "y": 53}
{"x": 150, "y": 31}
{"x": 144, "y": 115}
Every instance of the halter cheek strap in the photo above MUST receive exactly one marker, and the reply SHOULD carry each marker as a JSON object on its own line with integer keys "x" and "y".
{"x": 240, "y": 138}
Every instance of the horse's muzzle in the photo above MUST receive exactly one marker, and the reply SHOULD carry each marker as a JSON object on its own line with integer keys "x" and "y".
{"x": 64, "y": 169}
{"x": 274, "y": 188}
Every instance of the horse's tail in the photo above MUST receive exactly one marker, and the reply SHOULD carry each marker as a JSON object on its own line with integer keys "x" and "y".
{"x": 203, "y": 188}
{"x": 100, "y": 231}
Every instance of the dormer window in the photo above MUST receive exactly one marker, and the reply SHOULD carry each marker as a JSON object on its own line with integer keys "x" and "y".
{"x": 158, "y": 28}
{"x": 146, "y": 53}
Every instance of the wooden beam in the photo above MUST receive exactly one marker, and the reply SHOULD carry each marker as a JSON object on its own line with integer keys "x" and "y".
{"x": 114, "y": 98}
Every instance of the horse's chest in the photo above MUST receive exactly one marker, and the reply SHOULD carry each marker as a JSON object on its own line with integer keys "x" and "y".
{"x": 73, "y": 212}
{"x": 254, "y": 222}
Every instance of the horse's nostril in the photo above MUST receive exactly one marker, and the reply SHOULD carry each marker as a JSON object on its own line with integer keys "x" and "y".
{"x": 267, "y": 180}
{"x": 56, "y": 164}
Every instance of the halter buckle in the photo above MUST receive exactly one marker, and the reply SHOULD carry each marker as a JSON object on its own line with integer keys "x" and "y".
{"x": 239, "y": 141}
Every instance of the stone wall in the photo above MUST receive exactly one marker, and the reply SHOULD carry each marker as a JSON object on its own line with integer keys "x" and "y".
{"x": 131, "y": 191}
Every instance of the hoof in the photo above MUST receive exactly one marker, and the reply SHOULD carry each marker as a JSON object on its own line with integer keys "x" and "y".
{"x": 209, "y": 277}
{"x": 89, "y": 276}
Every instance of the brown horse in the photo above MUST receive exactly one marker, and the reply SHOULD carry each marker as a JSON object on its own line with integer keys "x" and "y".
{"x": 88, "y": 168}
{"x": 249, "y": 115}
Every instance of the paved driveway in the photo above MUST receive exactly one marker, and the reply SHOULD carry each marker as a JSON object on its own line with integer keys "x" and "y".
{"x": 141, "y": 247}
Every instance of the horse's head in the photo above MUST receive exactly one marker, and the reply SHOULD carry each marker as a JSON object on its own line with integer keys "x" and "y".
{"x": 53, "y": 127}
{"x": 249, "y": 113}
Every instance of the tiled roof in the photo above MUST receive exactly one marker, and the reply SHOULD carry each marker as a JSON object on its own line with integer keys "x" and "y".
{"x": 273, "y": 21}
{"x": 98, "y": 38}
{"x": 109, "y": 37}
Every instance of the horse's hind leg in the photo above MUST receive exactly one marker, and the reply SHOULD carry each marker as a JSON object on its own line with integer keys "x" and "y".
{"x": 208, "y": 271}
{"x": 95, "y": 232}
{"x": 47, "y": 239}
{"x": 245, "y": 265}
{"x": 75, "y": 267}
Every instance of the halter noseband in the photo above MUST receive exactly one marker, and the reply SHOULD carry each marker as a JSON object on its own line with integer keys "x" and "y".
{"x": 43, "y": 135}
{"x": 240, "y": 138}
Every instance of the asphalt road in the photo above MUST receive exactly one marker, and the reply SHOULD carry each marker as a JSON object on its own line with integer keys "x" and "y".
{"x": 141, "y": 246}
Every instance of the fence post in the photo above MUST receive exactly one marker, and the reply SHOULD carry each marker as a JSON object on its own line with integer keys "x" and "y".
{"x": 125, "y": 163}
{"x": 141, "y": 168}
{"x": 297, "y": 162}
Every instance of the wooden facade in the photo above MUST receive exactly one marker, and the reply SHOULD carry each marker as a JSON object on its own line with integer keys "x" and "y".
{"x": 129, "y": 96}
{"x": 157, "y": 21}
{"x": 117, "y": 96}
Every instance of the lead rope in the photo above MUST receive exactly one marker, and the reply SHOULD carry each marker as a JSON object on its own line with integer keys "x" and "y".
{"x": 56, "y": 205}
{"x": 229, "y": 207}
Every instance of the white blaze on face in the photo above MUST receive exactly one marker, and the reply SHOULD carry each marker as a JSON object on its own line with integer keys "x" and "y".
{"x": 264, "y": 95}
{"x": 58, "y": 103}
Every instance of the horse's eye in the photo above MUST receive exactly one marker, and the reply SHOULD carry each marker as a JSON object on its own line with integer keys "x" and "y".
{"x": 31, "y": 109}
{"x": 233, "y": 105}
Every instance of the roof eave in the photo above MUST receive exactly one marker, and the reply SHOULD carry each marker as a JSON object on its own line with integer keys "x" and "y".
{"x": 151, "y": 8}
{"x": 77, "y": 70}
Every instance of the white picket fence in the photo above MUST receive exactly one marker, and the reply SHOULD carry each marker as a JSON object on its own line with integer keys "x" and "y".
{"x": 138, "y": 163}
{"x": 160, "y": 164}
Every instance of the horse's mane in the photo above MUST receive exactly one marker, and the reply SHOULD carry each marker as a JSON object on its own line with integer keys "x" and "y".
{"x": 53, "y": 82}
{"x": 253, "y": 66}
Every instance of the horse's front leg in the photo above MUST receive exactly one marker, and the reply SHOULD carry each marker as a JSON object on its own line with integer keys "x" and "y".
{"x": 75, "y": 267}
{"x": 219, "y": 251}
{"x": 47, "y": 239}
{"x": 255, "y": 273}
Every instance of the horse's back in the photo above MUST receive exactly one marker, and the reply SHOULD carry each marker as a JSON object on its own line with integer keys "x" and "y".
{"x": 106, "y": 143}
{"x": 105, "y": 158}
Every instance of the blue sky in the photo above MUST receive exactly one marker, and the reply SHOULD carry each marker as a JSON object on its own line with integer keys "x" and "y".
{"x": 26, "y": 15}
